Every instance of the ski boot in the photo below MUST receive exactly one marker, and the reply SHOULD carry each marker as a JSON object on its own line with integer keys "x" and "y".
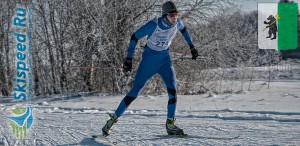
{"x": 172, "y": 129}
{"x": 106, "y": 130}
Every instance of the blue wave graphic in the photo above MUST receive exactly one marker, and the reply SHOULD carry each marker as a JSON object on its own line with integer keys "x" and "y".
{"x": 20, "y": 120}
{"x": 29, "y": 120}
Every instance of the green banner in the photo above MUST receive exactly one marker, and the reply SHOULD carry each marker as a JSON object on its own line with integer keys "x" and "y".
{"x": 287, "y": 26}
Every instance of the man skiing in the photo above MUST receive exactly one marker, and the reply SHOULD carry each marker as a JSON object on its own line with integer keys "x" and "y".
{"x": 155, "y": 60}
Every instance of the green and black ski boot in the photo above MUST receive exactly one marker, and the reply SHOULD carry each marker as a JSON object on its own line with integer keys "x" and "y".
{"x": 107, "y": 129}
{"x": 172, "y": 129}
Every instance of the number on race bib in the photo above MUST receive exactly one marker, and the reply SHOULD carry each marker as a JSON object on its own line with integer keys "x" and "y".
{"x": 161, "y": 44}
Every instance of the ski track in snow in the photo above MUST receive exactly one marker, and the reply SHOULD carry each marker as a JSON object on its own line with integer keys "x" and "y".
{"x": 259, "y": 117}
{"x": 62, "y": 124}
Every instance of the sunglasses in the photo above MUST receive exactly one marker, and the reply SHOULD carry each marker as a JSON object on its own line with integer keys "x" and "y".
{"x": 173, "y": 14}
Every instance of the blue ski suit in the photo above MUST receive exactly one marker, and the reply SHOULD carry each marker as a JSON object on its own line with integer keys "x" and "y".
{"x": 155, "y": 60}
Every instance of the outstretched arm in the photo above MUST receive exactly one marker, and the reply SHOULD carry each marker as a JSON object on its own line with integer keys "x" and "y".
{"x": 185, "y": 33}
{"x": 145, "y": 30}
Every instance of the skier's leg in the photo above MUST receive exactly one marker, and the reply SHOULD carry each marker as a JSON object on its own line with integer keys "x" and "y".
{"x": 169, "y": 77}
{"x": 145, "y": 71}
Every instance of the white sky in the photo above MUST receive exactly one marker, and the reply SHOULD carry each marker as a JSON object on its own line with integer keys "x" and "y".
{"x": 249, "y": 5}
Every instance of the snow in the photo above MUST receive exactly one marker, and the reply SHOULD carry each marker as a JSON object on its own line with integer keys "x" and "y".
{"x": 261, "y": 116}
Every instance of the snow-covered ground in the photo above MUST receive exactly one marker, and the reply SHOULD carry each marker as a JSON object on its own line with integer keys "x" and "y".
{"x": 261, "y": 116}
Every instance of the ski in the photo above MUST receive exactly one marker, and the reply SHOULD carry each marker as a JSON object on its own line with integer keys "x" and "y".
{"x": 104, "y": 140}
{"x": 196, "y": 136}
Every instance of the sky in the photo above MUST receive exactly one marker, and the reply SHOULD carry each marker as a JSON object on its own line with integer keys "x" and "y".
{"x": 249, "y": 5}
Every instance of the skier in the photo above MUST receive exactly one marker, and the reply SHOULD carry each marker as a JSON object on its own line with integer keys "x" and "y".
{"x": 155, "y": 60}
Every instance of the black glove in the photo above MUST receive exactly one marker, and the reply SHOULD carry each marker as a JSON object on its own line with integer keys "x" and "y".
{"x": 127, "y": 66}
{"x": 194, "y": 52}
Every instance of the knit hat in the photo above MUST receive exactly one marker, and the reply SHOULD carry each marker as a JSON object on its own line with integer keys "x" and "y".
{"x": 168, "y": 7}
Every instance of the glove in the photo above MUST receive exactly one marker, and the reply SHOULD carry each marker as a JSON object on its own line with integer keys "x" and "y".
{"x": 194, "y": 52}
{"x": 127, "y": 66}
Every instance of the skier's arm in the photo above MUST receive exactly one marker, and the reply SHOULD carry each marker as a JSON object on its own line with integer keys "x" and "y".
{"x": 185, "y": 33}
{"x": 145, "y": 30}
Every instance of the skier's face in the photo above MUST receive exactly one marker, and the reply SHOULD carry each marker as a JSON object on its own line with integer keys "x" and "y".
{"x": 172, "y": 17}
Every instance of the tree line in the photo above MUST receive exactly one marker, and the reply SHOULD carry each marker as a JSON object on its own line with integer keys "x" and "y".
{"x": 80, "y": 45}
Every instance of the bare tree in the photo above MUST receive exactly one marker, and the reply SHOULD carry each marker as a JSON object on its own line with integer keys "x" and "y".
{"x": 6, "y": 59}
{"x": 80, "y": 45}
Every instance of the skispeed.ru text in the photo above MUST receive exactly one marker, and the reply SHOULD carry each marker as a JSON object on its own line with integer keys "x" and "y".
{"x": 22, "y": 69}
